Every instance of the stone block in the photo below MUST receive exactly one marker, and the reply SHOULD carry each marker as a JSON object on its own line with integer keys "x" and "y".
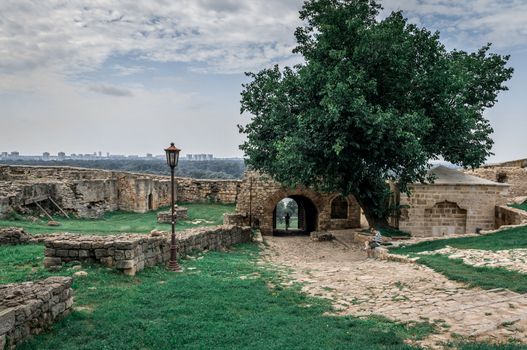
{"x": 7, "y": 320}
{"x": 125, "y": 264}
{"x": 52, "y": 261}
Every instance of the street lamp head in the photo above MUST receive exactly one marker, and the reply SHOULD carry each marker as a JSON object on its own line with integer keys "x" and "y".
{"x": 172, "y": 153}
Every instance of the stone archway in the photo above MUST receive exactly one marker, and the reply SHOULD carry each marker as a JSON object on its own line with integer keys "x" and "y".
{"x": 307, "y": 215}
{"x": 310, "y": 205}
{"x": 259, "y": 194}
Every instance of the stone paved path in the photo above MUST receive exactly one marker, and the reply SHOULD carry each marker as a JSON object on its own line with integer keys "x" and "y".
{"x": 404, "y": 292}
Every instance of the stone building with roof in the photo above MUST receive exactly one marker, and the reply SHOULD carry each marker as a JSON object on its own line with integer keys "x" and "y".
{"x": 455, "y": 203}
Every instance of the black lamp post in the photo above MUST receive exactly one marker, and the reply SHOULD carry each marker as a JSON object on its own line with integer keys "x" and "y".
{"x": 172, "y": 153}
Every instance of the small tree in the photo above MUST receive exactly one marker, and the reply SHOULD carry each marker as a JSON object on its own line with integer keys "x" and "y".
{"x": 374, "y": 101}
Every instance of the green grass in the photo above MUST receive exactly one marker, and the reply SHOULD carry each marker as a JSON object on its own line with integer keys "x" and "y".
{"x": 508, "y": 239}
{"x": 208, "y": 306}
{"x": 484, "y": 277}
{"x": 522, "y": 206}
{"x": 118, "y": 222}
{"x": 293, "y": 224}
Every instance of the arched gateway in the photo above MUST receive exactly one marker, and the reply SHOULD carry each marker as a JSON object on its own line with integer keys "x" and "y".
{"x": 259, "y": 196}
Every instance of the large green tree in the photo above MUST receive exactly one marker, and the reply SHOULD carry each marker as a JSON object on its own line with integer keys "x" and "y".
{"x": 374, "y": 100}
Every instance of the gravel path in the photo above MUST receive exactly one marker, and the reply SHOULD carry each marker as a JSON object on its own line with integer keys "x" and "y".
{"x": 404, "y": 292}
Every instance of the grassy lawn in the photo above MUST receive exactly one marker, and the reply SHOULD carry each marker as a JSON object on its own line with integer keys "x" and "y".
{"x": 522, "y": 206}
{"x": 118, "y": 222}
{"x": 483, "y": 277}
{"x": 208, "y": 306}
{"x": 293, "y": 224}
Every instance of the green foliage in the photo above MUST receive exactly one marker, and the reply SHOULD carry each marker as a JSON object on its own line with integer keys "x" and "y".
{"x": 392, "y": 232}
{"x": 208, "y": 306}
{"x": 374, "y": 101}
{"x": 200, "y": 214}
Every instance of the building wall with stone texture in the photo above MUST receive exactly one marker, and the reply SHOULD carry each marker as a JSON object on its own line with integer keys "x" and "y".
{"x": 215, "y": 191}
{"x": 28, "y": 308}
{"x": 89, "y": 193}
{"x": 436, "y": 210}
{"x": 515, "y": 177}
{"x": 259, "y": 195}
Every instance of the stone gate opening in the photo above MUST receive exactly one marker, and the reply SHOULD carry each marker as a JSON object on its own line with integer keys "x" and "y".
{"x": 305, "y": 220}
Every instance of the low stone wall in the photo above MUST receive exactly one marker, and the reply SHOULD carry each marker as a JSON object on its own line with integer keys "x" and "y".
{"x": 132, "y": 252}
{"x": 236, "y": 219}
{"x": 165, "y": 217}
{"x": 26, "y": 309}
{"x": 14, "y": 235}
{"x": 509, "y": 216}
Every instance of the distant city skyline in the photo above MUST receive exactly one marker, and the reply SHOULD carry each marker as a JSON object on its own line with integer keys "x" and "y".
{"x": 133, "y": 77}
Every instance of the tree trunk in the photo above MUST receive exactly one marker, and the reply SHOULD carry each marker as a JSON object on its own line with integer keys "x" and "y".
{"x": 372, "y": 197}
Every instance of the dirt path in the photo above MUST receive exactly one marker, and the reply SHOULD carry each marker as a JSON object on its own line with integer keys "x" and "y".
{"x": 405, "y": 292}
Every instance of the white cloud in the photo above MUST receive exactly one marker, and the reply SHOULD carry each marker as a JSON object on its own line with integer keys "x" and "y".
{"x": 472, "y": 23}
{"x": 111, "y": 90}
{"x": 73, "y": 36}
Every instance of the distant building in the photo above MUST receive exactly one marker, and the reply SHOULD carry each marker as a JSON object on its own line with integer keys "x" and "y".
{"x": 61, "y": 155}
{"x": 189, "y": 157}
{"x": 15, "y": 154}
{"x": 210, "y": 157}
{"x": 4, "y": 155}
{"x": 45, "y": 156}
{"x": 149, "y": 155}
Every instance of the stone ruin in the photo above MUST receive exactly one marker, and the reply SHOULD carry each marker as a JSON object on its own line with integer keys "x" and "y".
{"x": 130, "y": 253}
{"x": 165, "y": 217}
{"x": 14, "y": 235}
{"x": 29, "y": 308}
{"x": 89, "y": 193}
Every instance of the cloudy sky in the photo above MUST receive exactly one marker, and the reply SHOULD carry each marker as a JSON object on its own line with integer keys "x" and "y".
{"x": 128, "y": 77}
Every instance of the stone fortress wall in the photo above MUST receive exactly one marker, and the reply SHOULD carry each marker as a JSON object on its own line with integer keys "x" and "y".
{"x": 89, "y": 193}
{"x": 513, "y": 173}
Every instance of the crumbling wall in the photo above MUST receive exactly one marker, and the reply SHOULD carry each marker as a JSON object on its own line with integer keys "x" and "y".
{"x": 216, "y": 191}
{"x": 515, "y": 177}
{"x": 28, "y": 308}
{"x": 89, "y": 193}
{"x": 130, "y": 253}
{"x": 14, "y": 235}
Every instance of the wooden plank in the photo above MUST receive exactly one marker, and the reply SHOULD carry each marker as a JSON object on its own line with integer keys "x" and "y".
{"x": 45, "y": 212}
{"x": 62, "y": 211}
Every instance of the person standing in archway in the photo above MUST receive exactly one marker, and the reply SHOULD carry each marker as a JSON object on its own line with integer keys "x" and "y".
{"x": 287, "y": 220}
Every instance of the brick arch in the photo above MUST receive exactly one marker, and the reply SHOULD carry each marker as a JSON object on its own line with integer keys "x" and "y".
{"x": 303, "y": 197}
{"x": 445, "y": 217}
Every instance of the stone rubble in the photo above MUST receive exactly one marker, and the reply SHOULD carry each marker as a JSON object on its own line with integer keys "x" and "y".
{"x": 14, "y": 235}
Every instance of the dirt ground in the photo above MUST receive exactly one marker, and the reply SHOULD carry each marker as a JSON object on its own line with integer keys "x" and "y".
{"x": 339, "y": 271}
